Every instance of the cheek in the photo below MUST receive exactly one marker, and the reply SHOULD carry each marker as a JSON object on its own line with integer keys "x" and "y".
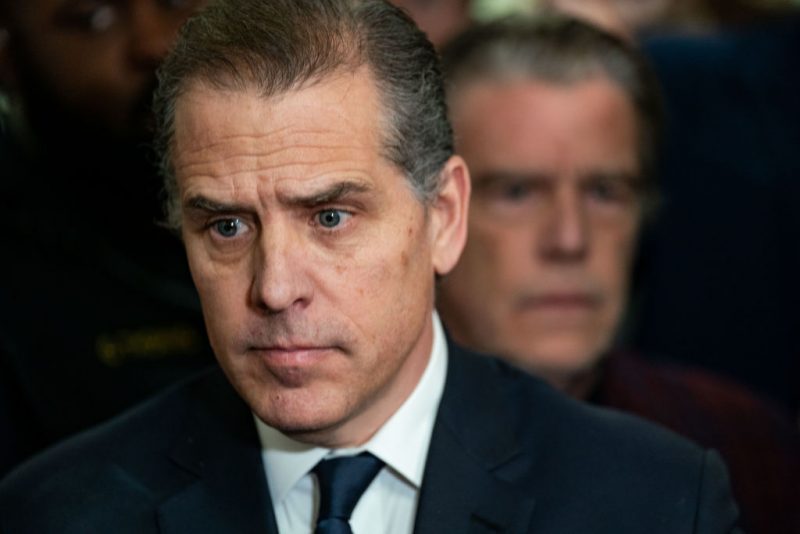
{"x": 479, "y": 291}
{"x": 394, "y": 268}
{"x": 613, "y": 260}
{"x": 226, "y": 317}
{"x": 390, "y": 279}
{"x": 497, "y": 256}
{"x": 222, "y": 290}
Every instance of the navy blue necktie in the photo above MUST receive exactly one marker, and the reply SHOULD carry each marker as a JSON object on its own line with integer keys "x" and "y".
{"x": 341, "y": 482}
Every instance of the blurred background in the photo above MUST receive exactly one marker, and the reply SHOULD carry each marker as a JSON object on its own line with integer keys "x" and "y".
{"x": 718, "y": 277}
{"x": 96, "y": 307}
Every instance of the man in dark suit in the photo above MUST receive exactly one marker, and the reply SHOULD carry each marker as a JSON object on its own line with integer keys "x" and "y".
{"x": 309, "y": 164}
{"x": 557, "y": 121}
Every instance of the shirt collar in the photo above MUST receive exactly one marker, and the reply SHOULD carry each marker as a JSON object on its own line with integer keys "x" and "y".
{"x": 401, "y": 443}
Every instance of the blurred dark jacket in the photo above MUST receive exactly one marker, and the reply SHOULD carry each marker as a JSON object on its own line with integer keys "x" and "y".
{"x": 508, "y": 454}
{"x": 97, "y": 309}
{"x": 758, "y": 443}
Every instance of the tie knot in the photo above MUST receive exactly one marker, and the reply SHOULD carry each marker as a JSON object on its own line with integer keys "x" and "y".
{"x": 341, "y": 482}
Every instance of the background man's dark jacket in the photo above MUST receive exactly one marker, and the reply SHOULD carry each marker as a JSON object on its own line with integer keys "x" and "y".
{"x": 508, "y": 454}
{"x": 760, "y": 447}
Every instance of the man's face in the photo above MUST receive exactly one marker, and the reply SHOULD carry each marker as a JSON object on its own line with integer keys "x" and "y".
{"x": 553, "y": 221}
{"x": 96, "y": 59}
{"x": 313, "y": 257}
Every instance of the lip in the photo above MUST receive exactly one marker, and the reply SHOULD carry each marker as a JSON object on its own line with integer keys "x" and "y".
{"x": 295, "y": 356}
{"x": 562, "y": 301}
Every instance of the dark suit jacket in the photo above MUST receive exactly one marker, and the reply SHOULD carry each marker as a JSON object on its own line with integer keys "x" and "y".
{"x": 508, "y": 454}
{"x": 760, "y": 447}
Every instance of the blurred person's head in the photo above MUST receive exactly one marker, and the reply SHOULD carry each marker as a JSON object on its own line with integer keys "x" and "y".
{"x": 558, "y": 123}
{"x": 441, "y": 20}
{"x": 88, "y": 61}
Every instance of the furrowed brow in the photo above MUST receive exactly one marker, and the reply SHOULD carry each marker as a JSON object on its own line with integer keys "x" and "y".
{"x": 203, "y": 204}
{"x": 333, "y": 193}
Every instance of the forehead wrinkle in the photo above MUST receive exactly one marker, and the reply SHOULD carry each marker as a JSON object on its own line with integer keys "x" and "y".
{"x": 299, "y": 155}
{"x": 261, "y": 138}
{"x": 284, "y": 135}
{"x": 301, "y": 166}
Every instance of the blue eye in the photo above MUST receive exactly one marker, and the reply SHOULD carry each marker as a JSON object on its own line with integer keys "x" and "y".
{"x": 330, "y": 218}
{"x": 228, "y": 227}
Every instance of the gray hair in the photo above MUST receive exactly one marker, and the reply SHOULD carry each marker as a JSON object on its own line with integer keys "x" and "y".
{"x": 559, "y": 49}
{"x": 277, "y": 46}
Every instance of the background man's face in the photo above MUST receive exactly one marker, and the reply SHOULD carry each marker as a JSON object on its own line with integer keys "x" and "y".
{"x": 310, "y": 251}
{"x": 552, "y": 224}
{"x": 94, "y": 58}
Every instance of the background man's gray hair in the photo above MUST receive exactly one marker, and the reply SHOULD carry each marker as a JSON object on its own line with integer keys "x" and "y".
{"x": 558, "y": 49}
{"x": 276, "y": 46}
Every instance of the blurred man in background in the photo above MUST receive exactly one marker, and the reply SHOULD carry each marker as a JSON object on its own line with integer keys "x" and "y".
{"x": 96, "y": 305}
{"x": 718, "y": 282}
{"x": 558, "y": 123}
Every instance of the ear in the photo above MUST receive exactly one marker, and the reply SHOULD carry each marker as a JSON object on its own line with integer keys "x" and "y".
{"x": 449, "y": 213}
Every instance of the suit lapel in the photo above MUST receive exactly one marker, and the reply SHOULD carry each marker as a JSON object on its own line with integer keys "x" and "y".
{"x": 474, "y": 457}
{"x": 220, "y": 451}
{"x": 468, "y": 486}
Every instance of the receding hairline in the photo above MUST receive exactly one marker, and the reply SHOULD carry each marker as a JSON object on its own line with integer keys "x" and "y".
{"x": 275, "y": 46}
{"x": 212, "y": 82}
{"x": 203, "y": 85}
{"x": 377, "y": 121}
{"x": 562, "y": 51}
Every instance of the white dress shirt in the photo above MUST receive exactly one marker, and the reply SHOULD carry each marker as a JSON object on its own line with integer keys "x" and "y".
{"x": 389, "y": 504}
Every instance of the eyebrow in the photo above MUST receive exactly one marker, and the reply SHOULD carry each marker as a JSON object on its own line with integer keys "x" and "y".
{"x": 201, "y": 203}
{"x": 490, "y": 178}
{"x": 332, "y": 193}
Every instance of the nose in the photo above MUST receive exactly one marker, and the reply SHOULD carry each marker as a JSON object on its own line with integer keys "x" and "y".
{"x": 153, "y": 28}
{"x": 566, "y": 231}
{"x": 280, "y": 280}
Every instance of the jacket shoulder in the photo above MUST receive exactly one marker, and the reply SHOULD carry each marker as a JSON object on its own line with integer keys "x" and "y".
{"x": 624, "y": 473}
{"x": 119, "y": 469}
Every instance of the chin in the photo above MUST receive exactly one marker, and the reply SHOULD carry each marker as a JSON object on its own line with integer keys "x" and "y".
{"x": 299, "y": 411}
{"x": 299, "y": 428}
